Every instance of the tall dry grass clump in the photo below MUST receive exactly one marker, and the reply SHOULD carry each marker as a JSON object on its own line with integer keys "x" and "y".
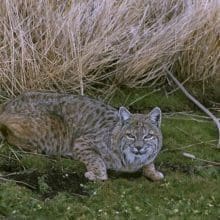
{"x": 74, "y": 45}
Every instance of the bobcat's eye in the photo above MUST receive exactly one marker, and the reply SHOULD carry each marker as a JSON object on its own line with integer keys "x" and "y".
{"x": 148, "y": 137}
{"x": 130, "y": 136}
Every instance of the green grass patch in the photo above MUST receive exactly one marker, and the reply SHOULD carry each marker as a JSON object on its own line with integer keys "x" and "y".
{"x": 41, "y": 187}
{"x": 144, "y": 99}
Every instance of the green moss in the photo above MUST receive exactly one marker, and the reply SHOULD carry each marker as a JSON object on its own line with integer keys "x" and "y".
{"x": 59, "y": 189}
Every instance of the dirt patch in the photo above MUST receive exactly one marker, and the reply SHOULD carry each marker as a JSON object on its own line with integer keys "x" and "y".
{"x": 50, "y": 183}
{"x": 130, "y": 176}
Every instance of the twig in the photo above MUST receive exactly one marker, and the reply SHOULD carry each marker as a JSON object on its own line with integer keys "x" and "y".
{"x": 18, "y": 182}
{"x": 188, "y": 155}
{"x": 142, "y": 97}
{"x": 16, "y": 157}
{"x": 196, "y": 102}
{"x": 7, "y": 157}
{"x": 19, "y": 173}
{"x": 190, "y": 114}
{"x": 188, "y": 146}
{"x": 79, "y": 195}
{"x": 187, "y": 119}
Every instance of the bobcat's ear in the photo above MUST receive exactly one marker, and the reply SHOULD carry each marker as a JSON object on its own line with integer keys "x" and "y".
{"x": 155, "y": 116}
{"x": 124, "y": 113}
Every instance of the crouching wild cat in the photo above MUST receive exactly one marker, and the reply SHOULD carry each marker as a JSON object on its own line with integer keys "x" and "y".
{"x": 84, "y": 129}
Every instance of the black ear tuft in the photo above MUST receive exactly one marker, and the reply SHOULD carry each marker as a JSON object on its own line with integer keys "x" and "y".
{"x": 124, "y": 113}
{"x": 155, "y": 116}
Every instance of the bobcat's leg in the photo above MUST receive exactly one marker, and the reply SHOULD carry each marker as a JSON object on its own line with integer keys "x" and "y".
{"x": 96, "y": 168}
{"x": 150, "y": 172}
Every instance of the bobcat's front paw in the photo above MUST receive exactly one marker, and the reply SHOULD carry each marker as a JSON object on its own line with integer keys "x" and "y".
{"x": 91, "y": 176}
{"x": 155, "y": 176}
{"x": 151, "y": 173}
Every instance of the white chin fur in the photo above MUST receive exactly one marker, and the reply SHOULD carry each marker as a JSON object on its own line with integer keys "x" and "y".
{"x": 135, "y": 159}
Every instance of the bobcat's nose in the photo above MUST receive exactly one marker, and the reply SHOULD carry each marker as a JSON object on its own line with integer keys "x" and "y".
{"x": 138, "y": 145}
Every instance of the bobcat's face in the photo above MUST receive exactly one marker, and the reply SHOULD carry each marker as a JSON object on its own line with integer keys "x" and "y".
{"x": 141, "y": 138}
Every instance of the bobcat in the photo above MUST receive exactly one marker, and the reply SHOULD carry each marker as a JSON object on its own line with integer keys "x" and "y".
{"x": 85, "y": 129}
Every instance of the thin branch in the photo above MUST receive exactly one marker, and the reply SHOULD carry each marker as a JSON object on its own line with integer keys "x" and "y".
{"x": 18, "y": 182}
{"x": 191, "y": 156}
{"x": 142, "y": 97}
{"x": 190, "y": 145}
{"x": 189, "y": 114}
{"x": 196, "y": 102}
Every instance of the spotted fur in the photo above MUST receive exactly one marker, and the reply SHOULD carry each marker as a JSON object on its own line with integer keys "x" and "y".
{"x": 84, "y": 129}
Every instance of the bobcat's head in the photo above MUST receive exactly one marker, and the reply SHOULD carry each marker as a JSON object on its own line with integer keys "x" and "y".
{"x": 140, "y": 137}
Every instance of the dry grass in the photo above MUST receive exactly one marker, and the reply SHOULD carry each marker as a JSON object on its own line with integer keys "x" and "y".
{"x": 70, "y": 45}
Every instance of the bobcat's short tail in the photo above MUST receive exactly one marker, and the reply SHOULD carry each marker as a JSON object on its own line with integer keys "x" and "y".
{"x": 3, "y": 132}
{"x": 2, "y": 126}
{"x": 11, "y": 126}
